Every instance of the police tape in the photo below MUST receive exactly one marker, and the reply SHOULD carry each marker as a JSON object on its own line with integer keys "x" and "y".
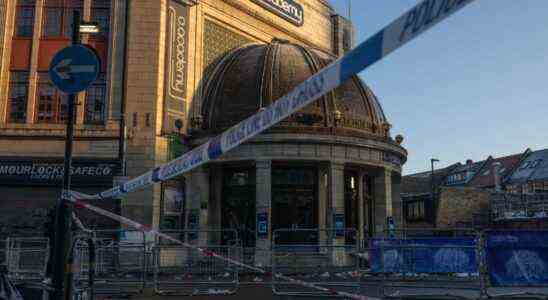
{"x": 74, "y": 197}
{"x": 410, "y": 25}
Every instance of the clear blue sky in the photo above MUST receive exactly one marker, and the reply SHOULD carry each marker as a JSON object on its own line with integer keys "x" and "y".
{"x": 473, "y": 86}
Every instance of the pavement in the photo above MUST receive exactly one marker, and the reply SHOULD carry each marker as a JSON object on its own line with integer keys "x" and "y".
{"x": 254, "y": 288}
{"x": 263, "y": 291}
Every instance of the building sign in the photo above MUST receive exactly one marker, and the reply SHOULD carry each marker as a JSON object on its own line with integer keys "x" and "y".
{"x": 287, "y": 9}
{"x": 339, "y": 224}
{"x": 193, "y": 224}
{"x": 262, "y": 224}
{"x": 44, "y": 171}
{"x": 176, "y": 65}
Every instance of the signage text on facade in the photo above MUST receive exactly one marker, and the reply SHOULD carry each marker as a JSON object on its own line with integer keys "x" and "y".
{"x": 287, "y": 9}
{"x": 176, "y": 65}
{"x": 50, "y": 172}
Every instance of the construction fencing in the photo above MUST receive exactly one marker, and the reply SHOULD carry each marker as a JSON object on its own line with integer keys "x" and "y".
{"x": 26, "y": 258}
{"x": 438, "y": 264}
{"x": 120, "y": 265}
{"x": 180, "y": 270}
{"x": 517, "y": 263}
{"x": 400, "y": 264}
{"x": 325, "y": 257}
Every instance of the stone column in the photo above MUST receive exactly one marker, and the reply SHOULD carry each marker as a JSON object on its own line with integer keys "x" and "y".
{"x": 6, "y": 23}
{"x": 336, "y": 203}
{"x": 214, "y": 208}
{"x": 361, "y": 206}
{"x": 81, "y": 97}
{"x": 323, "y": 193}
{"x": 32, "y": 101}
{"x": 383, "y": 199}
{"x": 263, "y": 198}
{"x": 198, "y": 198}
{"x": 397, "y": 205}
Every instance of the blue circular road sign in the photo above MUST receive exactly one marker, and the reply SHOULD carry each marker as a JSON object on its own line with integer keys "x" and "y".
{"x": 74, "y": 68}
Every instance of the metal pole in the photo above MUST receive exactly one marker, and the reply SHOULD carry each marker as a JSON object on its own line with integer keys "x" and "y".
{"x": 63, "y": 214}
{"x": 433, "y": 187}
{"x": 349, "y": 12}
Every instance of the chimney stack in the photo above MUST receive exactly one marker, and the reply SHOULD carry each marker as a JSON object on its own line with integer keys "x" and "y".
{"x": 496, "y": 175}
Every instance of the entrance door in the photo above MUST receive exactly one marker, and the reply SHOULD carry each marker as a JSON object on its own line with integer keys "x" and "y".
{"x": 294, "y": 205}
{"x": 238, "y": 205}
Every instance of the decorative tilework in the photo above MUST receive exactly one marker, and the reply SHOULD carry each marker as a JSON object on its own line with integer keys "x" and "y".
{"x": 218, "y": 41}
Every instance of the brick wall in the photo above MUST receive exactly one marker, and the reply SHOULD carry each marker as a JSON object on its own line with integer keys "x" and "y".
{"x": 457, "y": 206}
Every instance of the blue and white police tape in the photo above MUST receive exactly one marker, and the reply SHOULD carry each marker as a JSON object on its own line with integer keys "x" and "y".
{"x": 75, "y": 198}
{"x": 417, "y": 20}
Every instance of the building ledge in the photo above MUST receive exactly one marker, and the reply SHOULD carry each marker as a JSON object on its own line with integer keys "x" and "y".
{"x": 57, "y": 131}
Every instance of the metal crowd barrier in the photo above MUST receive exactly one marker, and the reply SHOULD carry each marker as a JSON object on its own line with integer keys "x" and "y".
{"x": 120, "y": 264}
{"x": 423, "y": 264}
{"x": 27, "y": 258}
{"x": 516, "y": 263}
{"x": 83, "y": 262}
{"x": 3, "y": 253}
{"x": 184, "y": 271}
{"x": 325, "y": 257}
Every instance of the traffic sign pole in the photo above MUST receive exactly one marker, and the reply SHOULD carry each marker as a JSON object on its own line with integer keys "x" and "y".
{"x": 63, "y": 234}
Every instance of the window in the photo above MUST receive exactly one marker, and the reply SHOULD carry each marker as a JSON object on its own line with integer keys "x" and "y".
{"x": 100, "y": 13}
{"x": 24, "y": 23}
{"x": 58, "y": 17}
{"x": 96, "y": 102}
{"x": 540, "y": 187}
{"x": 535, "y": 163}
{"x": 513, "y": 189}
{"x": 415, "y": 210}
{"x": 52, "y": 104}
{"x": 18, "y": 92}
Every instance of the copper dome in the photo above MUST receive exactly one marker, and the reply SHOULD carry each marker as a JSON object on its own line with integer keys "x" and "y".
{"x": 255, "y": 75}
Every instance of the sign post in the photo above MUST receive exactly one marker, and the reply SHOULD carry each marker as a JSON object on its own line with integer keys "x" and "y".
{"x": 71, "y": 70}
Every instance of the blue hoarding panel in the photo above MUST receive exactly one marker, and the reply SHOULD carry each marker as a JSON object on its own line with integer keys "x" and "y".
{"x": 517, "y": 258}
{"x": 424, "y": 255}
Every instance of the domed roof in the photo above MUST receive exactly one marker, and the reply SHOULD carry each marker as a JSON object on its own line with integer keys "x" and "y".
{"x": 253, "y": 76}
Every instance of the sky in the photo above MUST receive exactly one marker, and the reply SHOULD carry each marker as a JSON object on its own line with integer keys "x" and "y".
{"x": 474, "y": 85}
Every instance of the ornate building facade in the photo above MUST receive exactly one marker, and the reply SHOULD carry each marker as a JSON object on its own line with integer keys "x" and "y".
{"x": 176, "y": 72}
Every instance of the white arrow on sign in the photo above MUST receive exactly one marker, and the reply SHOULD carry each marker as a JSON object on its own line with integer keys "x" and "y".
{"x": 64, "y": 69}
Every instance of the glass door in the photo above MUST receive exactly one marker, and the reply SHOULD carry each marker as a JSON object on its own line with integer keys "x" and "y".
{"x": 238, "y": 205}
{"x": 294, "y": 205}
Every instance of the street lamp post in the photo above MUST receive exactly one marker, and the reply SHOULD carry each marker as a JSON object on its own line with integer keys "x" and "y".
{"x": 433, "y": 184}
{"x": 63, "y": 236}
